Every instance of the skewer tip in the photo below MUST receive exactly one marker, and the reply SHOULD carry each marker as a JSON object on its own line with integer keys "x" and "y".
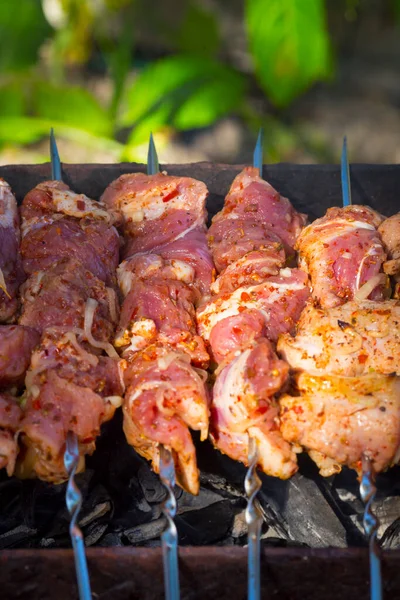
{"x": 56, "y": 174}
{"x": 152, "y": 159}
{"x": 345, "y": 175}
{"x": 258, "y": 151}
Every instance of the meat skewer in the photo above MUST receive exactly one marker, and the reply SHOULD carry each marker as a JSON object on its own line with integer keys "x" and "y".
{"x": 345, "y": 408}
{"x": 255, "y": 299}
{"x": 166, "y": 269}
{"x": 169, "y": 537}
{"x": 367, "y": 485}
{"x": 72, "y": 456}
{"x": 252, "y": 481}
{"x": 16, "y": 341}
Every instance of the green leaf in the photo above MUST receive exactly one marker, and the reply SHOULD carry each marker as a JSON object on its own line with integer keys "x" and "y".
{"x": 289, "y": 45}
{"x": 23, "y": 29}
{"x": 73, "y": 106}
{"x": 396, "y": 10}
{"x": 27, "y": 130}
{"x": 182, "y": 92}
{"x": 198, "y": 32}
{"x": 12, "y": 99}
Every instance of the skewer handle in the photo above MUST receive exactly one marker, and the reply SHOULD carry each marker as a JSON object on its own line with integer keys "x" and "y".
{"x": 169, "y": 538}
{"x": 371, "y": 524}
{"x": 253, "y": 519}
{"x": 74, "y": 504}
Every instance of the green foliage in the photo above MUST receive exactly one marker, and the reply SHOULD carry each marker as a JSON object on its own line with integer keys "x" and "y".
{"x": 22, "y": 31}
{"x": 182, "y": 91}
{"x": 289, "y": 44}
{"x": 70, "y": 105}
{"x": 198, "y": 32}
{"x": 192, "y": 88}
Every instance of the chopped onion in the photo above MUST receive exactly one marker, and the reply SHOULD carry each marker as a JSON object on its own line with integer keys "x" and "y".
{"x": 365, "y": 290}
{"x": 165, "y": 361}
{"x": 90, "y": 309}
{"x": 116, "y": 401}
{"x": 112, "y": 304}
{"x": 3, "y": 285}
{"x": 35, "y": 391}
{"x": 33, "y": 286}
{"x": 90, "y": 358}
{"x": 201, "y": 373}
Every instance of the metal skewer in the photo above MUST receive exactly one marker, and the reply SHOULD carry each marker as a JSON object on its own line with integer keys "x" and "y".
{"x": 252, "y": 482}
{"x": 169, "y": 538}
{"x": 71, "y": 456}
{"x": 367, "y": 485}
{"x": 345, "y": 175}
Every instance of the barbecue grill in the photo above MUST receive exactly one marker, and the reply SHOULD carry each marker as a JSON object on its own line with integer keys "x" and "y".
{"x": 313, "y": 539}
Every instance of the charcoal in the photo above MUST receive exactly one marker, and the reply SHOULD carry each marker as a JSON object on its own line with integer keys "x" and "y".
{"x": 205, "y": 498}
{"x": 111, "y": 539}
{"x": 205, "y": 526}
{"x": 145, "y": 532}
{"x": 239, "y": 528}
{"x": 390, "y": 540}
{"x": 153, "y": 490}
{"x": 303, "y": 510}
{"x": 16, "y": 536}
{"x": 94, "y": 533}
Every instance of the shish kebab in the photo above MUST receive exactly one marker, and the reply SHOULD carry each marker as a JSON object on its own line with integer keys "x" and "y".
{"x": 16, "y": 341}
{"x": 166, "y": 270}
{"x": 364, "y": 407}
{"x": 70, "y": 253}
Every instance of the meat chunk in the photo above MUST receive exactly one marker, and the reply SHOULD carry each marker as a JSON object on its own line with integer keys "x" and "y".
{"x": 10, "y": 418}
{"x": 250, "y": 197}
{"x": 16, "y": 346}
{"x": 390, "y": 233}
{"x": 57, "y": 299}
{"x": 342, "y": 252}
{"x": 165, "y": 396}
{"x": 161, "y": 310}
{"x": 68, "y": 389}
{"x": 51, "y": 198}
{"x": 279, "y": 299}
{"x": 231, "y": 239}
{"x": 350, "y": 340}
{"x": 186, "y": 259}
{"x": 156, "y": 209}
{"x": 95, "y": 244}
{"x": 340, "y": 419}
{"x": 252, "y": 268}
{"x": 11, "y": 271}
{"x": 243, "y": 406}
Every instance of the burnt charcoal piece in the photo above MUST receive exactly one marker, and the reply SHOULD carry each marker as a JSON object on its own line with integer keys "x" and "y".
{"x": 145, "y": 532}
{"x": 206, "y": 526}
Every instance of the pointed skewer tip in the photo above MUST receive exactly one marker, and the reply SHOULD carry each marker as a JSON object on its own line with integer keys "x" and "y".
{"x": 345, "y": 175}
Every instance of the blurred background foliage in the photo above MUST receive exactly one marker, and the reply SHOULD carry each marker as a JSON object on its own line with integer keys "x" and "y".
{"x": 203, "y": 75}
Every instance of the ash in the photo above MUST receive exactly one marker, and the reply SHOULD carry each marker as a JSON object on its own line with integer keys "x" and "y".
{"x": 122, "y": 500}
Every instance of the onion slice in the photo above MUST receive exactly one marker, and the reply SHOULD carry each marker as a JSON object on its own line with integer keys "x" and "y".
{"x": 90, "y": 309}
